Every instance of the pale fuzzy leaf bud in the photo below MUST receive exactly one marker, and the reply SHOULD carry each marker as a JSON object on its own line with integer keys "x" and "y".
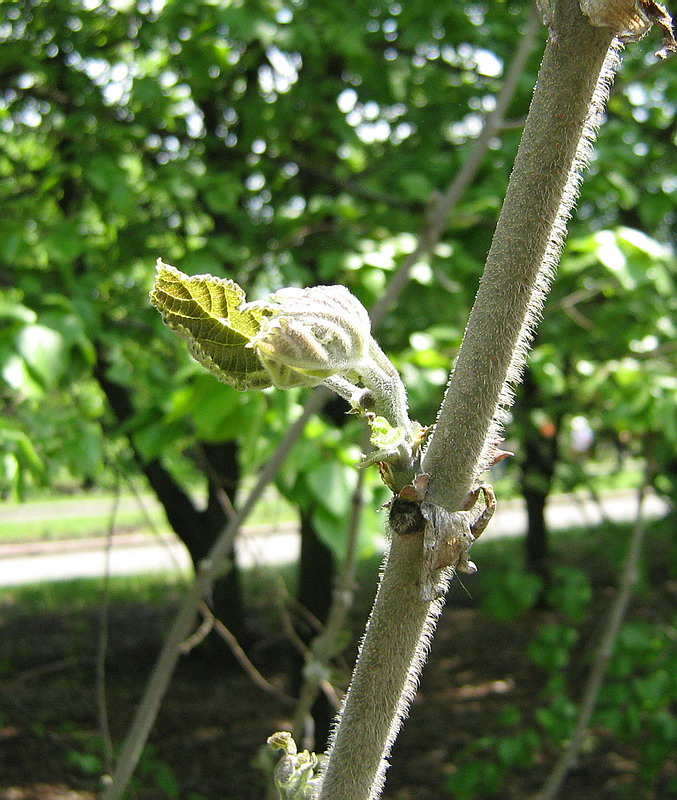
{"x": 312, "y": 334}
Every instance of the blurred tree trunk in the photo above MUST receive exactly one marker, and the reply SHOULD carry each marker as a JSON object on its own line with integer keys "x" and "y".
{"x": 539, "y": 454}
{"x": 197, "y": 529}
{"x": 316, "y": 570}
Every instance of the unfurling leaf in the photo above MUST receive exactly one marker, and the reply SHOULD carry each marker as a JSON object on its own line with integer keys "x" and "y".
{"x": 383, "y": 435}
{"x": 212, "y": 315}
{"x": 296, "y": 775}
{"x": 297, "y": 337}
{"x": 313, "y": 334}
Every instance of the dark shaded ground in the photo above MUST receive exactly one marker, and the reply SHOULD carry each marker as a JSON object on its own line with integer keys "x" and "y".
{"x": 214, "y": 719}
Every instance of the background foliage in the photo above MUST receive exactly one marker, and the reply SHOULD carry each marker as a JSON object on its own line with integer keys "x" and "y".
{"x": 295, "y": 143}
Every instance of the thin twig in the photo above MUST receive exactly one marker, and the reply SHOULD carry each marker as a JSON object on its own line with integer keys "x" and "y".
{"x": 596, "y": 498}
{"x": 603, "y": 653}
{"x": 325, "y": 646}
{"x": 216, "y": 483}
{"x": 242, "y": 658}
{"x": 199, "y": 635}
{"x": 102, "y": 643}
{"x": 354, "y": 187}
{"x": 46, "y": 669}
{"x": 281, "y": 599}
{"x": 150, "y": 522}
{"x": 305, "y": 613}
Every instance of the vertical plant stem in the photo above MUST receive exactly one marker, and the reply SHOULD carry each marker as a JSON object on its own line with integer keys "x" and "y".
{"x": 526, "y": 245}
{"x": 564, "y": 113}
{"x": 102, "y": 644}
{"x": 385, "y": 677}
{"x": 602, "y": 656}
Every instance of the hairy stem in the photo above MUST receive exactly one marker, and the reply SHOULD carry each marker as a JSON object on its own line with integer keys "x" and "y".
{"x": 385, "y": 676}
{"x": 526, "y": 244}
{"x": 565, "y": 111}
{"x": 390, "y": 396}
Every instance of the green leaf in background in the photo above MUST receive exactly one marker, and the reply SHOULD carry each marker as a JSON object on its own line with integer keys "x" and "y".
{"x": 217, "y": 412}
{"x": 43, "y": 351}
{"x": 18, "y": 460}
{"x": 332, "y": 483}
{"x": 212, "y": 315}
{"x": 11, "y": 310}
{"x": 510, "y": 595}
{"x": 331, "y": 530}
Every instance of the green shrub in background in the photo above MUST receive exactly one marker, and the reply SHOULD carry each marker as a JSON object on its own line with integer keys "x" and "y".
{"x": 509, "y": 594}
{"x": 636, "y": 706}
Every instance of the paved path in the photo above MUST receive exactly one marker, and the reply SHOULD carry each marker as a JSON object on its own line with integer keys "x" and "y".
{"x": 145, "y": 553}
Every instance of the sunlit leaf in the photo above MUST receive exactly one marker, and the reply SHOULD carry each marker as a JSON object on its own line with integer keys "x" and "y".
{"x": 212, "y": 315}
{"x": 43, "y": 350}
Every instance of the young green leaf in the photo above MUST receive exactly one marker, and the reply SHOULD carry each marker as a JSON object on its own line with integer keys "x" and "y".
{"x": 297, "y": 337}
{"x": 211, "y": 313}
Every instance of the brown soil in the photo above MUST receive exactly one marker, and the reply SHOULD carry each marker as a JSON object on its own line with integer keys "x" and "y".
{"x": 214, "y": 718}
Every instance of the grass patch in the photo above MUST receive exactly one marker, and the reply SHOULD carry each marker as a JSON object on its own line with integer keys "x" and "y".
{"x": 89, "y": 516}
{"x": 84, "y": 593}
{"x": 599, "y": 552}
{"x": 79, "y": 526}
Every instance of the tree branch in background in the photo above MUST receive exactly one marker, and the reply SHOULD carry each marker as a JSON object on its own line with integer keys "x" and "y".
{"x": 210, "y": 569}
{"x": 257, "y": 678}
{"x": 603, "y": 654}
{"x": 150, "y": 523}
{"x": 102, "y": 642}
{"x": 354, "y": 187}
{"x": 444, "y": 204}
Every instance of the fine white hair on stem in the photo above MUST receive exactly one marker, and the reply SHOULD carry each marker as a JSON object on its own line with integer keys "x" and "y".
{"x": 552, "y": 253}
{"x": 409, "y": 691}
{"x": 392, "y": 653}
